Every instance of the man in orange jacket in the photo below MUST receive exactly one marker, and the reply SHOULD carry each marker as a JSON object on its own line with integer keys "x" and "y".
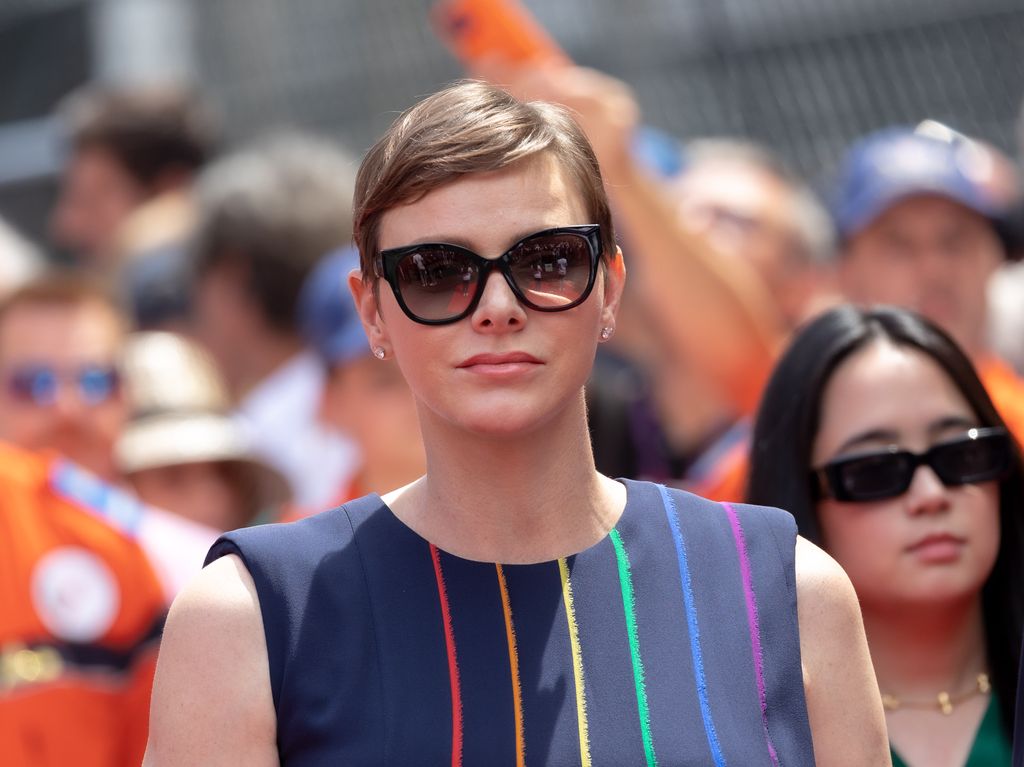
{"x": 82, "y": 604}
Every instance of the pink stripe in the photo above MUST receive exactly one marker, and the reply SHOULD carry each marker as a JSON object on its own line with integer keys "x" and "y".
{"x": 752, "y": 622}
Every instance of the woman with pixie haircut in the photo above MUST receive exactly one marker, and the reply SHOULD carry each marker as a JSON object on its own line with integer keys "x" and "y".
{"x": 877, "y": 434}
{"x": 513, "y": 605}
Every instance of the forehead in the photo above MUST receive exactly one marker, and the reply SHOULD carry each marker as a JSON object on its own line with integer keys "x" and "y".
{"x": 492, "y": 209}
{"x": 54, "y": 331}
{"x": 888, "y": 388}
{"x": 926, "y": 213}
{"x": 733, "y": 185}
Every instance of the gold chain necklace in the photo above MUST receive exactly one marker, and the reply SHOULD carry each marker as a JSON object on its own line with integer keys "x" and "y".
{"x": 944, "y": 702}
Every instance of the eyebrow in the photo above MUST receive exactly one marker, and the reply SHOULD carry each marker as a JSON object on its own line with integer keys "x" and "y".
{"x": 951, "y": 422}
{"x": 463, "y": 243}
{"x": 887, "y": 435}
{"x": 873, "y": 435}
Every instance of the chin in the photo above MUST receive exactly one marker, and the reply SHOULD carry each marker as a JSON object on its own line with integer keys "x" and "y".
{"x": 509, "y": 415}
{"x": 946, "y": 588}
{"x": 501, "y": 424}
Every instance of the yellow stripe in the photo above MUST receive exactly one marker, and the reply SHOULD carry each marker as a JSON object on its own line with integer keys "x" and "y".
{"x": 513, "y": 662}
{"x": 577, "y": 664}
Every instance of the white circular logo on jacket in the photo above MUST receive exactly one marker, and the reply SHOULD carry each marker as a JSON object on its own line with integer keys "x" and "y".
{"x": 75, "y": 594}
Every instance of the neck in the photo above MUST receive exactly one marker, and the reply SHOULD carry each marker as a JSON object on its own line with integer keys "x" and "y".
{"x": 263, "y": 357}
{"x": 391, "y": 471}
{"x": 527, "y": 498}
{"x": 919, "y": 653}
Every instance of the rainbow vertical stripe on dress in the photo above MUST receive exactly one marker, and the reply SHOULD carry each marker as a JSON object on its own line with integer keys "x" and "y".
{"x": 672, "y": 641}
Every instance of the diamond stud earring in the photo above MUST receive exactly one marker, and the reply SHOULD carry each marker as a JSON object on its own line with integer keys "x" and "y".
{"x": 379, "y": 352}
{"x": 606, "y": 333}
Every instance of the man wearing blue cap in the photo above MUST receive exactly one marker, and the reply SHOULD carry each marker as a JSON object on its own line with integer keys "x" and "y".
{"x": 365, "y": 397}
{"x": 922, "y": 217}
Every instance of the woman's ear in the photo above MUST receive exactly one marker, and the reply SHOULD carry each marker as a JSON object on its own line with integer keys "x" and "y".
{"x": 614, "y": 283}
{"x": 365, "y": 295}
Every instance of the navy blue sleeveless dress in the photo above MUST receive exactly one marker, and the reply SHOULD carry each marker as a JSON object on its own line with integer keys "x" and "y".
{"x": 672, "y": 641}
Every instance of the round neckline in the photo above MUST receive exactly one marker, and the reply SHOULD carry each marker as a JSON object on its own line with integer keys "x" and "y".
{"x": 599, "y": 542}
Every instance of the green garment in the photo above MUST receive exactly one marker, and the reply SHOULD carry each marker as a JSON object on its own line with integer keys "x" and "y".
{"x": 991, "y": 747}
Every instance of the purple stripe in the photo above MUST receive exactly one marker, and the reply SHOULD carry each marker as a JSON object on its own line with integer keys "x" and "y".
{"x": 752, "y": 622}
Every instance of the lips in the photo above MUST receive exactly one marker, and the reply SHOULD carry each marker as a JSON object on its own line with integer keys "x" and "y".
{"x": 508, "y": 358}
{"x": 937, "y": 549}
{"x": 506, "y": 368}
{"x": 935, "y": 539}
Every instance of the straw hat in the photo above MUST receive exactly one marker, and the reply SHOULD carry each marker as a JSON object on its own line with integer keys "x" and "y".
{"x": 181, "y": 414}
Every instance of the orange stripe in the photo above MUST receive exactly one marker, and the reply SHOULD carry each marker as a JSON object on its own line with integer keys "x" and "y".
{"x": 453, "y": 662}
{"x": 513, "y": 662}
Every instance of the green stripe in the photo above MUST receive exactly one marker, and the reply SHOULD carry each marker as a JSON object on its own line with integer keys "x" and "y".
{"x": 629, "y": 605}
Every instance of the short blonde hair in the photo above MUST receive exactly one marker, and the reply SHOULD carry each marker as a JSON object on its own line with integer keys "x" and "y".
{"x": 470, "y": 127}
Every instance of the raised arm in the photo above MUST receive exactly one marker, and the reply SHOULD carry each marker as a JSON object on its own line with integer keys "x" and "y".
{"x": 212, "y": 703}
{"x": 716, "y": 312}
{"x": 843, "y": 702}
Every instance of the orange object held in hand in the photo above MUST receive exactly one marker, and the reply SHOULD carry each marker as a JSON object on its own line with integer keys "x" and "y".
{"x": 477, "y": 30}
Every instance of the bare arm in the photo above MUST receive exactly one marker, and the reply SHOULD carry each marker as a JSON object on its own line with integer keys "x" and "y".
{"x": 212, "y": 703}
{"x": 843, "y": 702}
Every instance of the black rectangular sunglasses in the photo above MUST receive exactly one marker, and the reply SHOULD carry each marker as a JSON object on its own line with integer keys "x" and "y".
{"x": 980, "y": 455}
{"x": 437, "y": 283}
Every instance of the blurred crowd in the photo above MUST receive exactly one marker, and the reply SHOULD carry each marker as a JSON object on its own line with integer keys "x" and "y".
{"x": 200, "y": 365}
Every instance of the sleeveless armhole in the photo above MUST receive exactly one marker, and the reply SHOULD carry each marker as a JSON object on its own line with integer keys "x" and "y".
{"x": 757, "y": 569}
{"x": 319, "y": 629}
{"x": 770, "y": 536}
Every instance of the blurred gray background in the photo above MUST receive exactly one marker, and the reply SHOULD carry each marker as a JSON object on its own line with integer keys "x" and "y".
{"x": 802, "y": 76}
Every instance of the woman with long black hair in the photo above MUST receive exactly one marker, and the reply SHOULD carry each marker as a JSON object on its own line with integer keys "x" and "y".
{"x": 876, "y": 433}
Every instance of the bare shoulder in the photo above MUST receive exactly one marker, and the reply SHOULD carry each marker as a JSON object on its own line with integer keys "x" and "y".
{"x": 843, "y": 703}
{"x": 822, "y": 586}
{"x": 212, "y": 702}
{"x": 828, "y": 611}
{"x": 219, "y": 607}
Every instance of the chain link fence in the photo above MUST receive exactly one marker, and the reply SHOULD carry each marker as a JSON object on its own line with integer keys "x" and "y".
{"x": 804, "y": 77}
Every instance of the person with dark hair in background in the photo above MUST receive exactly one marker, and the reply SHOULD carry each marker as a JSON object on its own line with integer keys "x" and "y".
{"x": 268, "y": 213}
{"x": 128, "y": 147}
{"x": 61, "y": 337}
{"x": 877, "y": 433}
{"x": 364, "y": 398}
{"x": 513, "y": 605}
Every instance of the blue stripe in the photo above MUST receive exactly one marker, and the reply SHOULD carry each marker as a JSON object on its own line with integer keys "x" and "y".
{"x": 119, "y": 508}
{"x": 691, "y": 621}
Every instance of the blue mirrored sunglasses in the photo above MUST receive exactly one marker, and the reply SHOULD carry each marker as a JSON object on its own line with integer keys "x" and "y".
{"x": 39, "y": 384}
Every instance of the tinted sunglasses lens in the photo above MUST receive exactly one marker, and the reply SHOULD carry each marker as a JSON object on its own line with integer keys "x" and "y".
{"x": 437, "y": 282}
{"x": 972, "y": 460}
{"x": 35, "y": 386}
{"x": 552, "y": 271}
{"x": 873, "y": 477}
{"x": 97, "y": 385}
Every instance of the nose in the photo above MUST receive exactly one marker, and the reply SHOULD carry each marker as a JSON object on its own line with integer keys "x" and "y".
{"x": 68, "y": 403}
{"x": 498, "y": 310}
{"x": 926, "y": 494}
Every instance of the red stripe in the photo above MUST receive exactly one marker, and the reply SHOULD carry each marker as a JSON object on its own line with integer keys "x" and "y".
{"x": 453, "y": 663}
